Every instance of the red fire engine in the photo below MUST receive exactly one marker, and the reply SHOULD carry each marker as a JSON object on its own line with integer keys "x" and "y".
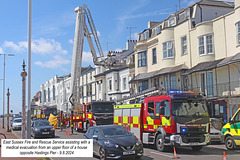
{"x": 91, "y": 114}
{"x": 178, "y": 119}
{"x": 44, "y": 112}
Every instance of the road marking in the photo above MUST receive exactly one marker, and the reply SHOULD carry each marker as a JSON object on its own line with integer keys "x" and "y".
{"x": 162, "y": 154}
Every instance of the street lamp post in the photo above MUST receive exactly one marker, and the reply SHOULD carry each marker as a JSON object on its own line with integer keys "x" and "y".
{"x": 29, "y": 69}
{"x": 8, "y": 94}
{"x": 4, "y": 55}
{"x": 23, "y": 74}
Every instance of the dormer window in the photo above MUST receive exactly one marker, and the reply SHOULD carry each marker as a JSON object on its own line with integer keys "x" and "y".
{"x": 172, "y": 22}
{"x": 144, "y": 36}
{"x": 158, "y": 29}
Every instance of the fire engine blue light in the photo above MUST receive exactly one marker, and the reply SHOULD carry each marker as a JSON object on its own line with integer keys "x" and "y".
{"x": 183, "y": 130}
{"x": 172, "y": 92}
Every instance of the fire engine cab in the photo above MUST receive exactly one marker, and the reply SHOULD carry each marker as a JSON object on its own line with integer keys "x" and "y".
{"x": 91, "y": 114}
{"x": 177, "y": 119}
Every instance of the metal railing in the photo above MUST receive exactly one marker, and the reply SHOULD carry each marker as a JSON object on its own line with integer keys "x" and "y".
{"x": 227, "y": 89}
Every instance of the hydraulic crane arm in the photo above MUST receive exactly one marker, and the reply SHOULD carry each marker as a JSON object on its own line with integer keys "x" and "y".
{"x": 88, "y": 30}
{"x": 81, "y": 30}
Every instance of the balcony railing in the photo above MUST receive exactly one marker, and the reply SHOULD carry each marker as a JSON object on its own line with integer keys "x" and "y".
{"x": 220, "y": 90}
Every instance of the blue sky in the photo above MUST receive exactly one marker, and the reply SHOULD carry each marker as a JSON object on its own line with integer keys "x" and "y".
{"x": 53, "y": 26}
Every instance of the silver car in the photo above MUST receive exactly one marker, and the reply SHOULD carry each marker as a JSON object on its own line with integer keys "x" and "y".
{"x": 17, "y": 124}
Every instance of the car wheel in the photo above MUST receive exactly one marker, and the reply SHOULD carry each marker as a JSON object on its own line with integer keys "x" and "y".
{"x": 102, "y": 154}
{"x": 159, "y": 143}
{"x": 34, "y": 136}
{"x": 229, "y": 143}
{"x": 196, "y": 148}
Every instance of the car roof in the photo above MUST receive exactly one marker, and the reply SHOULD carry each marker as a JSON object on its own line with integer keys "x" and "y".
{"x": 40, "y": 120}
{"x": 106, "y": 126}
{"x": 17, "y": 118}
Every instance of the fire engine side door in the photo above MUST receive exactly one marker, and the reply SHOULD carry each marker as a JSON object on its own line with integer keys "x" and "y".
{"x": 126, "y": 118}
{"x": 165, "y": 116}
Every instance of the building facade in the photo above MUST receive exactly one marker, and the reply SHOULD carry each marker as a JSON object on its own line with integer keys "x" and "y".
{"x": 87, "y": 85}
{"x": 112, "y": 83}
{"x": 55, "y": 92}
{"x": 194, "y": 49}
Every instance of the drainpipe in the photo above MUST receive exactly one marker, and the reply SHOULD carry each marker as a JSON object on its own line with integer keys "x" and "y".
{"x": 216, "y": 82}
{"x": 206, "y": 86}
{"x": 191, "y": 83}
{"x": 229, "y": 85}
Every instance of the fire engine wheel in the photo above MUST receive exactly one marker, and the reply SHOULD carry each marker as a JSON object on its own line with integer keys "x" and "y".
{"x": 229, "y": 143}
{"x": 159, "y": 143}
{"x": 102, "y": 154}
{"x": 196, "y": 148}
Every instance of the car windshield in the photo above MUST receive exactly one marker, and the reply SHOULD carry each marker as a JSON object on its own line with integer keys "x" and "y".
{"x": 17, "y": 120}
{"x": 115, "y": 132}
{"x": 42, "y": 123}
{"x": 189, "y": 108}
{"x": 102, "y": 108}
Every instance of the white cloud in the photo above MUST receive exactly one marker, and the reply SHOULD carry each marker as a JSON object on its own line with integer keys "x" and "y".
{"x": 57, "y": 62}
{"x": 135, "y": 36}
{"x": 87, "y": 57}
{"x": 40, "y": 46}
{"x": 1, "y": 50}
{"x": 15, "y": 47}
{"x": 70, "y": 41}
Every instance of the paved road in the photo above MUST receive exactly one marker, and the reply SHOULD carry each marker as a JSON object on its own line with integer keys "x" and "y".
{"x": 210, "y": 152}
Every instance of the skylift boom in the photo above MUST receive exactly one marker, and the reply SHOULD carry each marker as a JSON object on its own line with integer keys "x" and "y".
{"x": 85, "y": 27}
{"x": 81, "y": 30}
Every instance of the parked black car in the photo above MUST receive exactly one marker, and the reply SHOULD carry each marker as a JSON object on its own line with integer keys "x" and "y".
{"x": 42, "y": 128}
{"x": 114, "y": 141}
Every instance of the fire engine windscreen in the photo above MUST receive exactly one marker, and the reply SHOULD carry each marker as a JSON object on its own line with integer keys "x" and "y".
{"x": 189, "y": 108}
{"x": 102, "y": 108}
{"x": 49, "y": 111}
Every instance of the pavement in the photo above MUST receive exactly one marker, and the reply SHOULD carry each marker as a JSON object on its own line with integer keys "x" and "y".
{"x": 11, "y": 135}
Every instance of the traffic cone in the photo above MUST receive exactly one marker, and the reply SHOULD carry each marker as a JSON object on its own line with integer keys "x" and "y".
{"x": 174, "y": 154}
{"x": 66, "y": 132}
{"x": 224, "y": 156}
{"x": 69, "y": 133}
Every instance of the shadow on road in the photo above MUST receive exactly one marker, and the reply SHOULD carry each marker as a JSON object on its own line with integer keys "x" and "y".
{"x": 206, "y": 150}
